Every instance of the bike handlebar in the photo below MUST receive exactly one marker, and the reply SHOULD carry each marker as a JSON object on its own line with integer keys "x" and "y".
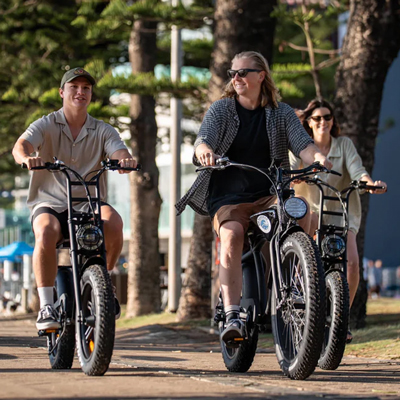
{"x": 362, "y": 185}
{"x": 108, "y": 164}
{"x": 222, "y": 163}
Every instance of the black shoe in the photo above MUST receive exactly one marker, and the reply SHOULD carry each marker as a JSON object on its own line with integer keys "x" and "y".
{"x": 234, "y": 333}
{"x": 47, "y": 319}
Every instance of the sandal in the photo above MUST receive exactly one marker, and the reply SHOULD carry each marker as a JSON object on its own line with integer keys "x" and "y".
{"x": 349, "y": 337}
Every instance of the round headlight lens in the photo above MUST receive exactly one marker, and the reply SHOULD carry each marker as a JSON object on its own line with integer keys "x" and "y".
{"x": 89, "y": 237}
{"x": 333, "y": 246}
{"x": 295, "y": 207}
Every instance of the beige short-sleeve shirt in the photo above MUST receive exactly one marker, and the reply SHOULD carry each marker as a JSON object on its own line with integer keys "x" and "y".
{"x": 51, "y": 137}
{"x": 345, "y": 159}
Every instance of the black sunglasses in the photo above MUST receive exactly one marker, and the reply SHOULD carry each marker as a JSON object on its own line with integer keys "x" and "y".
{"x": 241, "y": 72}
{"x": 318, "y": 118}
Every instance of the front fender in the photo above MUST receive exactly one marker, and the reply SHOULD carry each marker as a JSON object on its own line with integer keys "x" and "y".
{"x": 292, "y": 229}
{"x": 92, "y": 261}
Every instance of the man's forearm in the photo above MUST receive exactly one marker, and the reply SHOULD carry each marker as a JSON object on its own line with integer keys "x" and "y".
{"x": 308, "y": 154}
{"x": 22, "y": 149}
{"x": 312, "y": 154}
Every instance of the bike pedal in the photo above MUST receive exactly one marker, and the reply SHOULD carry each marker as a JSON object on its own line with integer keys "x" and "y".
{"x": 232, "y": 344}
{"x": 46, "y": 332}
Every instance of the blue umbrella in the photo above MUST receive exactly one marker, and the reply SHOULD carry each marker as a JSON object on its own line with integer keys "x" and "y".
{"x": 14, "y": 251}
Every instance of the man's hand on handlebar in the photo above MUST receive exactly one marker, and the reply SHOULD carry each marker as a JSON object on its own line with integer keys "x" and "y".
{"x": 127, "y": 163}
{"x": 32, "y": 162}
{"x": 208, "y": 158}
{"x": 319, "y": 157}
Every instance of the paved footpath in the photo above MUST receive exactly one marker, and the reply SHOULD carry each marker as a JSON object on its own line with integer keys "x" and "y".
{"x": 158, "y": 362}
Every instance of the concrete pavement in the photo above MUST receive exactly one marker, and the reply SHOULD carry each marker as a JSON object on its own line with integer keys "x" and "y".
{"x": 158, "y": 361}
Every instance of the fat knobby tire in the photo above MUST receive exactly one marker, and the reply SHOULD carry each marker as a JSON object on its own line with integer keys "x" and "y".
{"x": 337, "y": 311}
{"x": 62, "y": 356}
{"x": 96, "y": 363}
{"x": 240, "y": 359}
{"x": 303, "y": 361}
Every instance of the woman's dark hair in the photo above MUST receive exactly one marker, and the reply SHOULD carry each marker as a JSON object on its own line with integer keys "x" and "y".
{"x": 269, "y": 92}
{"x": 305, "y": 114}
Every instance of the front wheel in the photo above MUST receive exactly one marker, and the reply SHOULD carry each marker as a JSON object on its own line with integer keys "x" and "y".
{"x": 337, "y": 317}
{"x": 95, "y": 336}
{"x": 298, "y": 319}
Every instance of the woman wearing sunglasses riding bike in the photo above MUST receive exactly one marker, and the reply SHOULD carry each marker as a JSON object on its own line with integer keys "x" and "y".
{"x": 249, "y": 126}
{"x": 319, "y": 121}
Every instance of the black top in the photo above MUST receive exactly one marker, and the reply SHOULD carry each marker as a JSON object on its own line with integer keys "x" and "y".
{"x": 250, "y": 146}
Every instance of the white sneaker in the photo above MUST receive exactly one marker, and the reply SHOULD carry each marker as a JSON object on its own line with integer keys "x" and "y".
{"x": 47, "y": 319}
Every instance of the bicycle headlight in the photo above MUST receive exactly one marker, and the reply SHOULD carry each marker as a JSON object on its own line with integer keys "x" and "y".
{"x": 295, "y": 207}
{"x": 89, "y": 237}
{"x": 264, "y": 223}
{"x": 333, "y": 245}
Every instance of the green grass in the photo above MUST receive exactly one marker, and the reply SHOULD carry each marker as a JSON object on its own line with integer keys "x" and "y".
{"x": 381, "y": 337}
{"x": 150, "y": 319}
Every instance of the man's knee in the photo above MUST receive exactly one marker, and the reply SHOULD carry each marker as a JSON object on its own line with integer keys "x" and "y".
{"x": 113, "y": 226}
{"x": 47, "y": 230}
{"x": 231, "y": 232}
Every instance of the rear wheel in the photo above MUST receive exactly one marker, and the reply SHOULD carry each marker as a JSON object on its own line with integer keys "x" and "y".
{"x": 239, "y": 359}
{"x": 61, "y": 343}
{"x": 95, "y": 337}
{"x": 337, "y": 320}
{"x": 298, "y": 320}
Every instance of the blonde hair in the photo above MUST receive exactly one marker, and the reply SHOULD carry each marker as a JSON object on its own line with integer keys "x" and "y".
{"x": 269, "y": 92}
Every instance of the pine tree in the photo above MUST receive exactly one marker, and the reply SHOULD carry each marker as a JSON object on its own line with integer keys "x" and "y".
{"x": 371, "y": 44}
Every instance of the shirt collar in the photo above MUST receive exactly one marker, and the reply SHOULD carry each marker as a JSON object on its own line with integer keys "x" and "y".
{"x": 90, "y": 122}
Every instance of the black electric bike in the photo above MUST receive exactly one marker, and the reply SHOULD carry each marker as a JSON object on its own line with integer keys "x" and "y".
{"x": 84, "y": 298}
{"x": 331, "y": 239}
{"x": 295, "y": 293}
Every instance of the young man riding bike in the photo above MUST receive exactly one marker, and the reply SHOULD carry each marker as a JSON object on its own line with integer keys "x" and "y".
{"x": 73, "y": 136}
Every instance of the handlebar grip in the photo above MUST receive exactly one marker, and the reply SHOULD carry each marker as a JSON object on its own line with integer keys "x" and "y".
{"x": 335, "y": 172}
{"x": 137, "y": 168}
{"x": 24, "y": 166}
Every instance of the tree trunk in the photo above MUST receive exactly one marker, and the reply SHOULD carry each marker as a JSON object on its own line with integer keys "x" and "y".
{"x": 239, "y": 25}
{"x": 144, "y": 259}
{"x": 196, "y": 289}
{"x": 371, "y": 44}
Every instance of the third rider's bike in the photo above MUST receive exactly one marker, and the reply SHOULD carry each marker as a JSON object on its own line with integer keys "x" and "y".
{"x": 331, "y": 239}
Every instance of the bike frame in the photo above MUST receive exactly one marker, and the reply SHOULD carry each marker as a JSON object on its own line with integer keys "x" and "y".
{"x": 76, "y": 219}
{"x": 282, "y": 226}
{"x": 80, "y": 258}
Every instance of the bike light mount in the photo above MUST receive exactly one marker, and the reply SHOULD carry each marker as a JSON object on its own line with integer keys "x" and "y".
{"x": 89, "y": 237}
{"x": 295, "y": 207}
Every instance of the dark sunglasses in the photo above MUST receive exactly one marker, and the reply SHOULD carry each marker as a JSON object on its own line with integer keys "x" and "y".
{"x": 318, "y": 118}
{"x": 241, "y": 72}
